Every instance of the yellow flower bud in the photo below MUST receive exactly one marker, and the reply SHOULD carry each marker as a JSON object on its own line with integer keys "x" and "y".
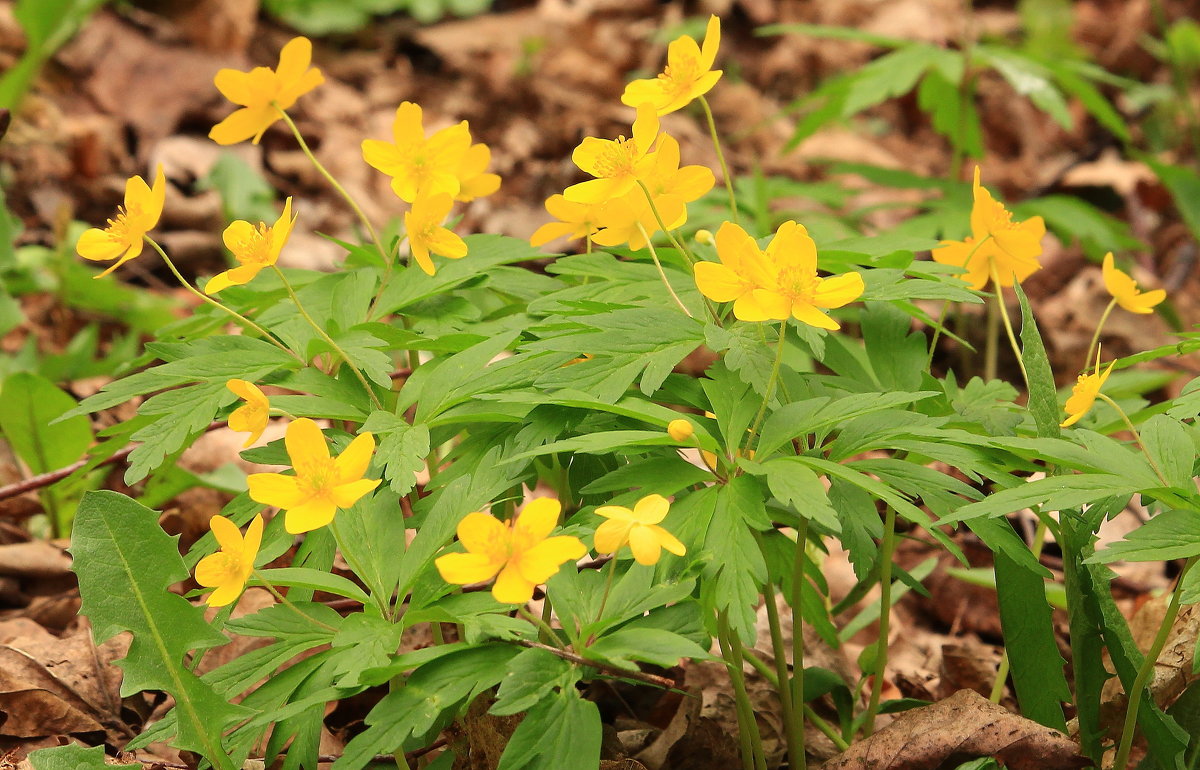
{"x": 680, "y": 430}
{"x": 705, "y": 238}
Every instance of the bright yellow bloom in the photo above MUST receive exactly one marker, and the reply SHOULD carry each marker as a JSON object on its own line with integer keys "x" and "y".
{"x": 688, "y": 73}
{"x": 576, "y": 220}
{"x": 995, "y": 240}
{"x": 228, "y": 569}
{"x": 777, "y": 283}
{"x": 473, "y": 179}
{"x": 1125, "y": 291}
{"x": 1083, "y": 395}
{"x": 639, "y": 528}
{"x": 122, "y": 238}
{"x": 420, "y": 166}
{"x": 519, "y": 551}
{"x": 423, "y": 224}
{"x": 617, "y": 165}
{"x": 251, "y": 416}
{"x": 322, "y": 484}
{"x": 680, "y": 430}
{"x": 254, "y": 247}
{"x": 263, "y": 91}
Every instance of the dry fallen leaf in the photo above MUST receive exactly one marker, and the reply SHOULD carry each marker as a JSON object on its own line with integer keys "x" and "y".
{"x": 964, "y": 726}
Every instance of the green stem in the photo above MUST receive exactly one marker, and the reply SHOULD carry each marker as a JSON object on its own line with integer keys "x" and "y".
{"x": 542, "y": 626}
{"x": 328, "y": 340}
{"x": 793, "y": 728}
{"x": 1095, "y": 343}
{"x": 287, "y": 602}
{"x": 990, "y": 352}
{"x": 798, "y": 581}
{"x": 772, "y": 382}
{"x": 662, "y": 273}
{"x": 663, "y": 226}
{"x": 243, "y": 320}
{"x": 608, "y": 584}
{"x": 1008, "y": 328}
{"x": 1136, "y": 437}
{"x": 937, "y": 332}
{"x": 885, "y": 616}
{"x": 1134, "y": 695}
{"x": 712, "y": 130}
{"x": 753, "y": 756}
{"x": 772, "y": 677}
{"x": 1039, "y": 541}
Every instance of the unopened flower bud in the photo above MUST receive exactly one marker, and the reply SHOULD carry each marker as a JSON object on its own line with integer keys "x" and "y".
{"x": 680, "y": 430}
{"x": 705, "y": 238}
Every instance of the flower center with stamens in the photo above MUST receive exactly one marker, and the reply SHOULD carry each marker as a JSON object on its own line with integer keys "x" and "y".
{"x": 119, "y": 229}
{"x": 316, "y": 476}
{"x": 617, "y": 159}
{"x": 797, "y": 284}
{"x": 256, "y": 248}
{"x": 678, "y": 77}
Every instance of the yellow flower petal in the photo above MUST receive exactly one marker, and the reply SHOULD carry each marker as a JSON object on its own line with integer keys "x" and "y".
{"x": 511, "y": 587}
{"x": 539, "y": 563}
{"x": 226, "y": 532}
{"x": 537, "y": 519}
{"x": 314, "y": 514}
{"x": 838, "y": 290}
{"x": 667, "y": 540}
{"x": 465, "y": 568}
{"x": 346, "y": 495}
{"x": 482, "y": 533}
{"x": 645, "y": 546}
{"x": 611, "y": 535}
{"x": 274, "y": 489}
{"x": 651, "y": 509}
{"x": 352, "y": 463}
{"x": 305, "y": 443}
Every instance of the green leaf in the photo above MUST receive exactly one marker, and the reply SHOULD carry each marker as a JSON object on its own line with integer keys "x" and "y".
{"x": 893, "y": 74}
{"x": 1173, "y": 534}
{"x": 1028, "y": 78}
{"x": 1172, "y": 448}
{"x": 69, "y": 757}
{"x": 746, "y": 352}
{"x": 245, "y": 194}
{"x": 1043, "y": 396}
{"x": 315, "y": 580}
{"x": 402, "y": 449}
{"x": 650, "y": 645}
{"x": 29, "y": 404}
{"x": 531, "y": 677}
{"x": 801, "y": 488}
{"x": 559, "y": 733}
{"x": 738, "y": 570}
{"x": 1184, "y": 185}
{"x": 183, "y": 413}
{"x": 1054, "y": 493}
{"x": 126, "y": 564}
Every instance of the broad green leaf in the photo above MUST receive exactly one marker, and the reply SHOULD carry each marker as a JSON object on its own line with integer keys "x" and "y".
{"x": 737, "y": 571}
{"x": 1052, "y": 493}
{"x": 401, "y": 451}
{"x": 28, "y": 405}
{"x": 316, "y": 580}
{"x": 559, "y": 733}
{"x": 1173, "y": 534}
{"x": 801, "y": 488}
{"x": 1172, "y": 449}
{"x": 1043, "y": 397}
{"x": 531, "y": 677}
{"x": 650, "y": 645}
{"x": 126, "y": 564}
{"x": 69, "y": 757}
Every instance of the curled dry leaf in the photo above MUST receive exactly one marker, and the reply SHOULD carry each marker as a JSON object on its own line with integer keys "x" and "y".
{"x": 964, "y": 726}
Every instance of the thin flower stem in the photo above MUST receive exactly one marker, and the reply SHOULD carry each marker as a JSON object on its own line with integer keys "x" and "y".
{"x": 937, "y": 332}
{"x": 991, "y": 351}
{"x": 678, "y": 244}
{"x": 662, "y": 273}
{"x": 712, "y": 130}
{"x": 620, "y": 673}
{"x": 798, "y": 581}
{"x": 1136, "y": 437}
{"x": 885, "y": 615}
{"x": 1039, "y": 541}
{"x": 772, "y": 382}
{"x": 793, "y": 728}
{"x": 753, "y": 757}
{"x": 608, "y": 584}
{"x": 328, "y": 340}
{"x": 544, "y": 628}
{"x": 1134, "y": 695}
{"x": 1008, "y": 329}
{"x": 1095, "y": 343}
{"x": 288, "y": 603}
{"x": 768, "y": 673}
{"x": 243, "y": 320}
{"x": 383, "y": 253}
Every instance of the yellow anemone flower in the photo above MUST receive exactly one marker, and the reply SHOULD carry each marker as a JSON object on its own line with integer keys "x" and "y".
{"x": 1012, "y": 248}
{"x": 228, "y": 569}
{"x": 520, "y": 551}
{"x": 688, "y": 73}
{"x": 616, "y": 164}
{"x": 576, "y": 220}
{"x": 122, "y": 238}
{"x": 251, "y": 416}
{"x": 263, "y": 91}
{"x": 1125, "y": 291}
{"x": 253, "y": 247}
{"x": 1083, "y": 395}
{"x": 423, "y": 224}
{"x": 777, "y": 283}
{"x": 473, "y": 179}
{"x": 421, "y": 166}
{"x": 322, "y": 484}
{"x": 639, "y": 528}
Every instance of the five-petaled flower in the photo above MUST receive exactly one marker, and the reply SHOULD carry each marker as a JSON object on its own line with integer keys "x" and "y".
{"x": 423, "y": 224}
{"x": 322, "y": 484}
{"x": 251, "y": 416}
{"x": 687, "y": 75}
{"x": 617, "y": 164}
{"x": 421, "y": 166}
{"x": 1083, "y": 395}
{"x": 253, "y": 247}
{"x": 263, "y": 92}
{"x": 122, "y": 238}
{"x": 777, "y": 283}
{"x": 639, "y": 528}
{"x": 519, "y": 553}
{"x": 997, "y": 245}
{"x": 228, "y": 569}
{"x": 1125, "y": 291}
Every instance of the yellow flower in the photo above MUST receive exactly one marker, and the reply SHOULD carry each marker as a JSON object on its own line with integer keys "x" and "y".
{"x": 423, "y": 224}
{"x": 322, "y": 484}
{"x": 617, "y": 165}
{"x": 680, "y": 430}
{"x": 520, "y": 551}
{"x": 576, "y": 220}
{"x": 421, "y": 166}
{"x": 122, "y": 239}
{"x": 473, "y": 179}
{"x": 254, "y": 247}
{"x": 995, "y": 240}
{"x": 1125, "y": 291}
{"x": 777, "y": 283}
{"x": 251, "y": 416}
{"x": 228, "y": 569}
{"x": 639, "y": 528}
{"x": 262, "y": 92}
{"x": 1083, "y": 395}
{"x": 688, "y": 73}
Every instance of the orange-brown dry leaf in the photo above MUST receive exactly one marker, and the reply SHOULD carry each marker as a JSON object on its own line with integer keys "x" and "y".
{"x": 962, "y": 727}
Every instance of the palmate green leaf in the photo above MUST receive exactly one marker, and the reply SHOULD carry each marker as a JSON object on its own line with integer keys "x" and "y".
{"x": 649, "y": 645}
{"x": 737, "y": 571}
{"x": 436, "y": 385}
{"x": 745, "y": 351}
{"x": 532, "y": 676}
{"x": 126, "y": 564}
{"x": 801, "y": 488}
{"x": 182, "y": 413}
{"x": 938, "y": 95}
{"x": 1172, "y": 448}
{"x": 29, "y": 405}
{"x": 1053, "y": 493}
{"x": 401, "y": 451}
{"x": 1173, "y": 534}
{"x": 559, "y": 733}
{"x": 1028, "y": 78}
{"x": 893, "y": 74}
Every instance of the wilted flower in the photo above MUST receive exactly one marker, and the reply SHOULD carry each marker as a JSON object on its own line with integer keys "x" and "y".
{"x": 687, "y": 75}
{"x": 322, "y": 484}
{"x": 639, "y": 528}
{"x": 1083, "y": 395}
{"x": 228, "y": 569}
{"x": 251, "y": 416}
{"x": 262, "y": 92}
{"x": 253, "y": 247}
{"x": 423, "y": 224}
{"x": 1125, "y": 291}
{"x": 519, "y": 551}
{"x": 122, "y": 238}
